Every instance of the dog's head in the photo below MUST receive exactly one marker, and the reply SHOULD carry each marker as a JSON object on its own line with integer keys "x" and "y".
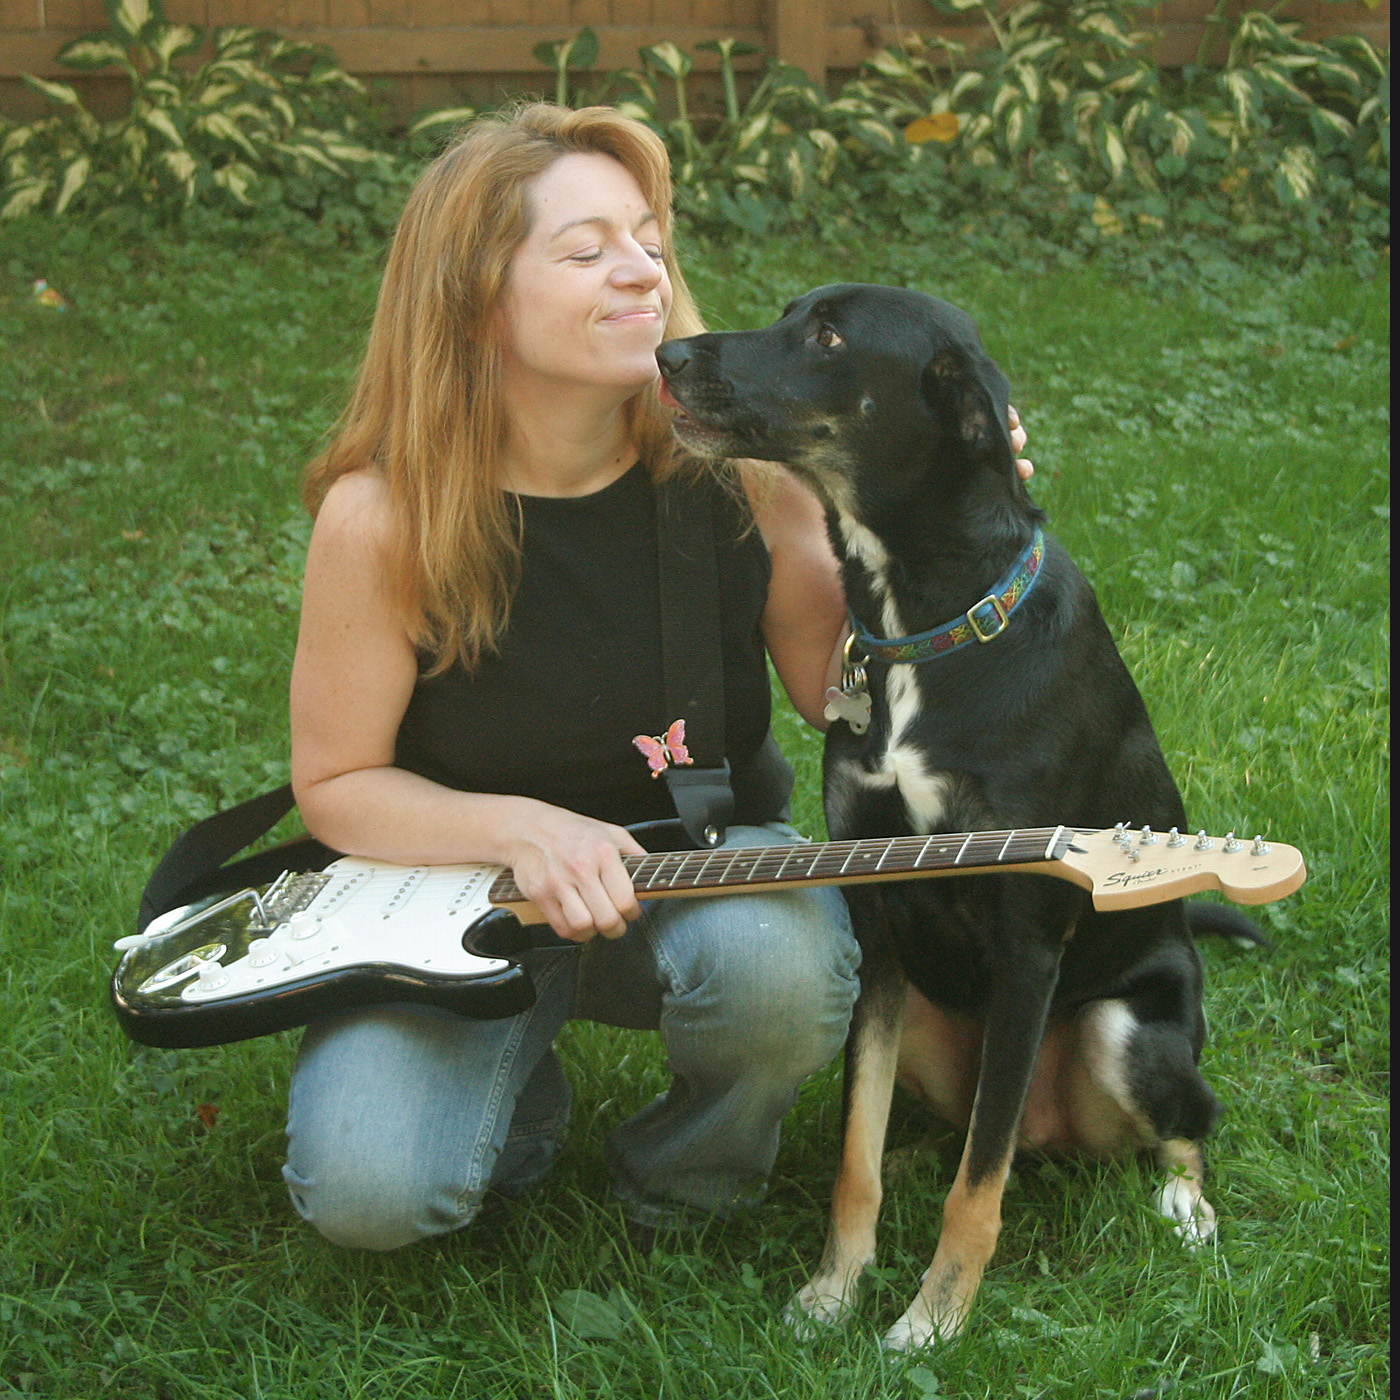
{"x": 876, "y": 390}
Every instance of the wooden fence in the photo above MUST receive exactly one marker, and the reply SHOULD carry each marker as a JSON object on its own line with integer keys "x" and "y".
{"x": 440, "y": 52}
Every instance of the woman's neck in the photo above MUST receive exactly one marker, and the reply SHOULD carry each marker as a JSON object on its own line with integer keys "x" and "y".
{"x": 565, "y": 444}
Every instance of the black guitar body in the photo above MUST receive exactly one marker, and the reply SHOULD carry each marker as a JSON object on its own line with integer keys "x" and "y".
{"x": 154, "y": 1011}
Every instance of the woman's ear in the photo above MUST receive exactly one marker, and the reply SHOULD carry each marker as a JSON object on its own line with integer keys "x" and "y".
{"x": 969, "y": 393}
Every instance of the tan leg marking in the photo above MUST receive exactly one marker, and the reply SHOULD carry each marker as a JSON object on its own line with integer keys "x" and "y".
{"x": 971, "y": 1224}
{"x": 855, "y": 1201}
{"x": 940, "y": 1053}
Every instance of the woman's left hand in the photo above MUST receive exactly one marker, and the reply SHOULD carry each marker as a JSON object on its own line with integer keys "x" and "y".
{"x": 1018, "y": 443}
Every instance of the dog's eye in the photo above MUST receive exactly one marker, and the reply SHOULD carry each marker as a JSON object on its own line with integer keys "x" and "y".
{"x": 828, "y": 338}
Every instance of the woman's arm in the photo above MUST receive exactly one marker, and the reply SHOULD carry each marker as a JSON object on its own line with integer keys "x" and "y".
{"x": 352, "y": 679}
{"x": 804, "y": 621}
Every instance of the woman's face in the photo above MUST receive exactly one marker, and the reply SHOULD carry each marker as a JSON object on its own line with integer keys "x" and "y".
{"x": 587, "y": 294}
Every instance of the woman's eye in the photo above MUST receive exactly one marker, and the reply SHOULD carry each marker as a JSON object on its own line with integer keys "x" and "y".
{"x": 827, "y": 338}
{"x": 589, "y": 257}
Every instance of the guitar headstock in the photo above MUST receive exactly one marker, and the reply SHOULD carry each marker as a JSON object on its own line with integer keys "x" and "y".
{"x": 1126, "y": 869}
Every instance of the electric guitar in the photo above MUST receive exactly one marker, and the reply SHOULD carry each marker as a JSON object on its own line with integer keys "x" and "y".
{"x": 363, "y": 931}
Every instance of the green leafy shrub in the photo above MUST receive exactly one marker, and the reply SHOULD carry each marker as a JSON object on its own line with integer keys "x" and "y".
{"x": 263, "y": 120}
{"x": 786, "y": 153}
{"x": 1062, "y": 126}
{"x": 1298, "y": 131}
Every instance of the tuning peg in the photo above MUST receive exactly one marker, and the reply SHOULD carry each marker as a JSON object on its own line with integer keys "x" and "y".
{"x": 1203, "y": 842}
{"x": 1148, "y": 838}
{"x": 1231, "y": 845}
{"x": 1175, "y": 839}
{"x": 1120, "y": 834}
{"x": 1260, "y": 847}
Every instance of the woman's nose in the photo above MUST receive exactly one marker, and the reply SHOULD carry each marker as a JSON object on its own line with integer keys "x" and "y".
{"x": 639, "y": 269}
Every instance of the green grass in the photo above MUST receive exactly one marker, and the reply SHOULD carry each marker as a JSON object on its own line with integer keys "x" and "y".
{"x": 1214, "y": 453}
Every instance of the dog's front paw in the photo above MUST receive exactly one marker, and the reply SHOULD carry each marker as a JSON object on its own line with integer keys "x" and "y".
{"x": 821, "y": 1304}
{"x": 1180, "y": 1201}
{"x": 917, "y": 1328}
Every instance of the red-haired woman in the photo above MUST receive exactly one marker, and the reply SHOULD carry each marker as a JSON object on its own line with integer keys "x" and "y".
{"x": 480, "y": 642}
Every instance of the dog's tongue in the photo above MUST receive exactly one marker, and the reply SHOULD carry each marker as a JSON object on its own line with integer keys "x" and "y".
{"x": 666, "y": 396}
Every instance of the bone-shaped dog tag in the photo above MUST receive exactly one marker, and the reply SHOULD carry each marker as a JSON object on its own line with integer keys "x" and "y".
{"x": 853, "y": 708}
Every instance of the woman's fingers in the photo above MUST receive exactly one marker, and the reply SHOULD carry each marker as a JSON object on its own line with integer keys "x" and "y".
{"x": 579, "y": 883}
{"x": 587, "y": 912}
{"x": 1018, "y": 443}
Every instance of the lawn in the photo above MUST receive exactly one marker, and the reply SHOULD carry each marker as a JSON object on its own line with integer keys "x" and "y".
{"x": 1213, "y": 449}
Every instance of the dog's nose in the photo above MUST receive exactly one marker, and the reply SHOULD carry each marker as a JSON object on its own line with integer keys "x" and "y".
{"x": 673, "y": 357}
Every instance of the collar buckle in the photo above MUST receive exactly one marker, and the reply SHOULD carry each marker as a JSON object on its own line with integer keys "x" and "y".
{"x": 999, "y": 614}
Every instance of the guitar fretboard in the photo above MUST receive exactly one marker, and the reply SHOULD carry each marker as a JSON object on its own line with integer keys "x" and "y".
{"x": 829, "y": 862}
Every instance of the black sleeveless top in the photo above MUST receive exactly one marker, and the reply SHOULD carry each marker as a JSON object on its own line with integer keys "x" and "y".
{"x": 578, "y": 671}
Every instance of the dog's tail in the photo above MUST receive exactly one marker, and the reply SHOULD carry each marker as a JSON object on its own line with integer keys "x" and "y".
{"x": 1227, "y": 922}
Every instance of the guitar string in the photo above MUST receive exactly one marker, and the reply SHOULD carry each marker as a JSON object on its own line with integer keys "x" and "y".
{"x": 750, "y": 864}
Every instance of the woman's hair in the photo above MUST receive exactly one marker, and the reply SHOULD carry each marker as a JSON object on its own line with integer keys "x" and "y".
{"x": 427, "y": 411}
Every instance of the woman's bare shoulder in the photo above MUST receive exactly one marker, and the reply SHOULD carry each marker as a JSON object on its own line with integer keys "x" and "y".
{"x": 356, "y": 515}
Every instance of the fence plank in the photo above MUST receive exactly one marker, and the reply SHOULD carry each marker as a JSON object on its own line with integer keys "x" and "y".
{"x": 484, "y": 37}
{"x": 798, "y": 34}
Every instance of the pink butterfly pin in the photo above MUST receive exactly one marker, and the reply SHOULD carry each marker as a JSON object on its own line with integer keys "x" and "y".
{"x": 658, "y": 750}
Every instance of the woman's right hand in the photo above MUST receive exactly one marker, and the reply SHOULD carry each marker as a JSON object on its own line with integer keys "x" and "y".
{"x": 570, "y": 868}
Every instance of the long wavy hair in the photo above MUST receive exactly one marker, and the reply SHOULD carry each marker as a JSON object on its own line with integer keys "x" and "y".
{"x": 426, "y": 411}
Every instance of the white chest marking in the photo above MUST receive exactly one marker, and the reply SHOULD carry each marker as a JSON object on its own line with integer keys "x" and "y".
{"x": 864, "y": 545}
{"x": 925, "y": 794}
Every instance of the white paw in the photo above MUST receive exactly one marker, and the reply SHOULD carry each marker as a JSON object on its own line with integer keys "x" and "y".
{"x": 1194, "y": 1216}
{"x": 910, "y": 1333}
{"x": 820, "y": 1305}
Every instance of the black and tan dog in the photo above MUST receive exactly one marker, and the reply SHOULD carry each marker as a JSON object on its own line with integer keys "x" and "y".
{"x": 1006, "y": 1002}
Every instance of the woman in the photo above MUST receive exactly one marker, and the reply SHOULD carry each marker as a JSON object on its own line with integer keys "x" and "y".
{"x": 479, "y": 646}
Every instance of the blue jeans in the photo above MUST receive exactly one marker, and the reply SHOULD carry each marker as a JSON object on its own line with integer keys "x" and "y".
{"x": 402, "y": 1116}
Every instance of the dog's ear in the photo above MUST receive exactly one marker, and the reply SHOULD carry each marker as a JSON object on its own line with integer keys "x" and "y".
{"x": 969, "y": 391}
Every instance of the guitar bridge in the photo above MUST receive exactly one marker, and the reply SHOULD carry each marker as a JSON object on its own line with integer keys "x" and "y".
{"x": 289, "y": 894}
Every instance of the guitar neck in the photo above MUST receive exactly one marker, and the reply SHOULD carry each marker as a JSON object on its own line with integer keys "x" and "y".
{"x": 680, "y": 873}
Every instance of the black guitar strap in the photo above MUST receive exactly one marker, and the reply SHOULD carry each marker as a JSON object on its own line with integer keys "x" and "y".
{"x": 194, "y": 866}
{"x": 692, "y": 658}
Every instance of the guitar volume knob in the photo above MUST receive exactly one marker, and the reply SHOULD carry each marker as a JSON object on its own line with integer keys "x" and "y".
{"x": 210, "y": 978}
{"x": 304, "y": 924}
{"x": 262, "y": 952}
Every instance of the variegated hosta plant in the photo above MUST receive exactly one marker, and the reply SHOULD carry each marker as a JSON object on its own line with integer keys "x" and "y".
{"x": 1067, "y": 91}
{"x": 770, "y": 159}
{"x": 1067, "y": 98}
{"x": 1294, "y": 117}
{"x": 211, "y": 132}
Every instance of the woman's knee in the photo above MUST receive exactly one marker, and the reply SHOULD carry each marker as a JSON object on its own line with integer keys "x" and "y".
{"x": 772, "y": 979}
{"x": 381, "y": 1211}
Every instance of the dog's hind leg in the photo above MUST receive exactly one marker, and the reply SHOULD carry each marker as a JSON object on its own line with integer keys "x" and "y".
{"x": 872, "y": 1055}
{"x": 1023, "y": 985}
{"x": 1148, "y": 1069}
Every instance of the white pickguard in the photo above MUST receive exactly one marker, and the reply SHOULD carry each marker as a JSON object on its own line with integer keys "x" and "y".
{"x": 369, "y": 912}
